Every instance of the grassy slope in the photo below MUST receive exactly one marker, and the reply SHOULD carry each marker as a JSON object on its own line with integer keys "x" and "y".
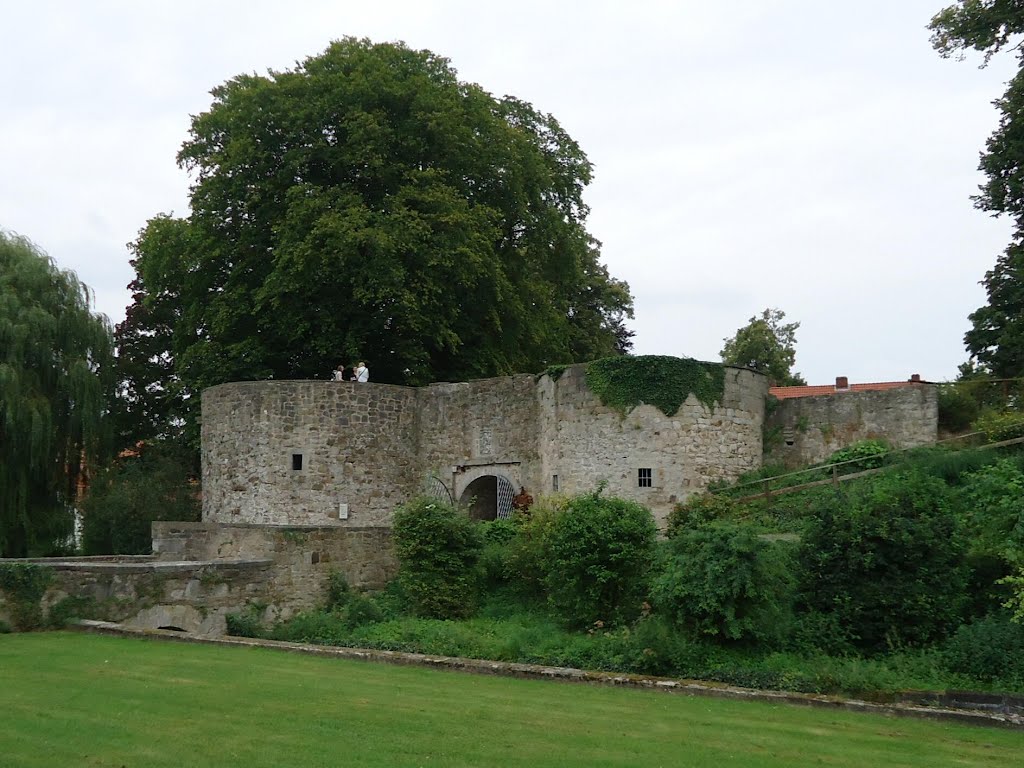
{"x": 81, "y": 700}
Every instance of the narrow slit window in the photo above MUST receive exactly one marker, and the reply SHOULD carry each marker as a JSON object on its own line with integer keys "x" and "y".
{"x": 296, "y": 461}
{"x": 554, "y": 483}
{"x": 644, "y": 477}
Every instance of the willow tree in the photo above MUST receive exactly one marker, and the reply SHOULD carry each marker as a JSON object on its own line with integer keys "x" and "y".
{"x": 54, "y": 352}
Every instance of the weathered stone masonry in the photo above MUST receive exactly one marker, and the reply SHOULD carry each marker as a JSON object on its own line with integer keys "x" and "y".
{"x": 810, "y": 429}
{"x": 346, "y": 454}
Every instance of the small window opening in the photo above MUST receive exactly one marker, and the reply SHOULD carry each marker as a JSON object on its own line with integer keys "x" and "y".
{"x": 644, "y": 477}
{"x": 554, "y": 483}
{"x": 296, "y": 461}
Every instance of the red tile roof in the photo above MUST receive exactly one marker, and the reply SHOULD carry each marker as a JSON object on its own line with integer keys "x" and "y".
{"x": 783, "y": 393}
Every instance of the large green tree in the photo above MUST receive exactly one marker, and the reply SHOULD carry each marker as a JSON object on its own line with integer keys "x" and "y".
{"x": 368, "y": 205}
{"x": 54, "y": 352}
{"x": 996, "y": 338}
{"x": 767, "y": 345}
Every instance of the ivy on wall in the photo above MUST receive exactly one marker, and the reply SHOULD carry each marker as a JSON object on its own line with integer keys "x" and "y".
{"x": 625, "y": 382}
{"x": 23, "y": 586}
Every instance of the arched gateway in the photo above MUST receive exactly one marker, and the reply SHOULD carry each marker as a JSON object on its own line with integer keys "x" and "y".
{"x": 489, "y": 497}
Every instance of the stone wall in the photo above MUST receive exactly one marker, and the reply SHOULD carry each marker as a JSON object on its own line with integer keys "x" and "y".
{"x": 140, "y": 592}
{"x": 584, "y": 443}
{"x": 200, "y": 572}
{"x": 476, "y": 428}
{"x": 806, "y": 430}
{"x": 307, "y": 452}
{"x": 341, "y": 454}
{"x": 301, "y": 557}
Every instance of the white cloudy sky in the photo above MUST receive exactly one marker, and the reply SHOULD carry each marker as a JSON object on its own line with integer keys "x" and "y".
{"x": 811, "y": 155}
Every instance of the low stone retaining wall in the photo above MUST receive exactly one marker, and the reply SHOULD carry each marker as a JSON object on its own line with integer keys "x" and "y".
{"x": 570, "y": 675}
{"x": 301, "y": 557}
{"x": 143, "y": 593}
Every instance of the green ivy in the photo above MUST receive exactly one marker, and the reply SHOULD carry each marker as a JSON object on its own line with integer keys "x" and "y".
{"x": 625, "y": 382}
{"x": 554, "y": 372}
{"x": 24, "y": 585}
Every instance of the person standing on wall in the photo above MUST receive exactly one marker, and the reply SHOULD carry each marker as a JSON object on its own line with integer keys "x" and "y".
{"x": 362, "y": 373}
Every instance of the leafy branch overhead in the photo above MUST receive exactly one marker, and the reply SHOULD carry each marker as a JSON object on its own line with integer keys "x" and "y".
{"x": 995, "y": 340}
{"x": 368, "y": 205}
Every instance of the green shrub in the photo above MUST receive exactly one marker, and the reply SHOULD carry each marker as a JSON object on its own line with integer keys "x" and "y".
{"x": 993, "y": 500}
{"x": 1000, "y": 426}
{"x": 871, "y": 454}
{"x": 360, "y": 611}
{"x": 438, "y": 550}
{"x": 338, "y": 590}
{"x": 5, "y": 628}
{"x": 125, "y": 498}
{"x": 698, "y": 510}
{"x": 958, "y": 408}
{"x": 596, "y": 559}
{"x": 70, "y": 608}
{"x": 724, "y": 582}
{"x": 950, "y": 466}
{"x": 499, "y": 544}
{"x": 246, "y": 623}
{"x": 24, "y": 585}
{"x": 888, "y": 565}
{"x": 989, "y": 649}
{"x": 524, "y": 562}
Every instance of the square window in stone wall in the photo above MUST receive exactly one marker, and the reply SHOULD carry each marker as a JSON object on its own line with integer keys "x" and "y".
{"x": 644, "y": 477}
{"x": 296, "y": 461}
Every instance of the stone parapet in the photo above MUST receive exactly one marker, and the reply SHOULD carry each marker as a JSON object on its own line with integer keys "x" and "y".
{"x": 807, "y": 430}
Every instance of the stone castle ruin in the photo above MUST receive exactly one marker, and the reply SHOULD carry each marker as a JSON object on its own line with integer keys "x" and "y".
{"x": 301, "y": 478}
{"x": 345, "y": 454}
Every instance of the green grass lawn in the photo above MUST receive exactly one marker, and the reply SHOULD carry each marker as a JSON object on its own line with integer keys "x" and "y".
{"x": 70, "y": 699}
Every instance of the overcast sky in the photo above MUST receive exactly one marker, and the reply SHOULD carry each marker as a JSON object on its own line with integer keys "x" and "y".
{"x": 813, "y": 156}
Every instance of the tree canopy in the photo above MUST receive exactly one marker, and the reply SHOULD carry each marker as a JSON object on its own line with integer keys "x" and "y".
{"x": 367, "y": 205}
{"x": 766, "y": 345}
{"x": 54, "y": 352}
{"x": 995, "y": 341}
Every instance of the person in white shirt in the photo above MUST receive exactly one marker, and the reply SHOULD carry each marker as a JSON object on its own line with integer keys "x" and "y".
{"x": 362, "y": 373}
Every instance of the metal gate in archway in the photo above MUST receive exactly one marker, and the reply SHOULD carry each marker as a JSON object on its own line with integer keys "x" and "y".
{"x": 489, "y": 497}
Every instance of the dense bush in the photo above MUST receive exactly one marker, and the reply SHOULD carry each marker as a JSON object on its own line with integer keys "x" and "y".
{"x": 993, "y": 501}
{"x": 871, "y": 454}
{"x": 246, "y": 623}
{"x": 699, "y": 509}
{"x": 499, "y": 544}
{"x": 438, "y": 550}
{"x": 999, "y": 426}
{"x": 886, "y": 566}
{"x": 596, "y": 560}
{"x": 22, "y": 585}
{"x": 953, "y": 467}
{"x": 989, "y": 649}
{"x": 725, "y": 582}
{"x": 124, "y": 499}
{"x": 958, "y": 408}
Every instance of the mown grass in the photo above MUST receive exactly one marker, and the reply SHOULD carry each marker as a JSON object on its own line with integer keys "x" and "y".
{"x": 82, "y": 700}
